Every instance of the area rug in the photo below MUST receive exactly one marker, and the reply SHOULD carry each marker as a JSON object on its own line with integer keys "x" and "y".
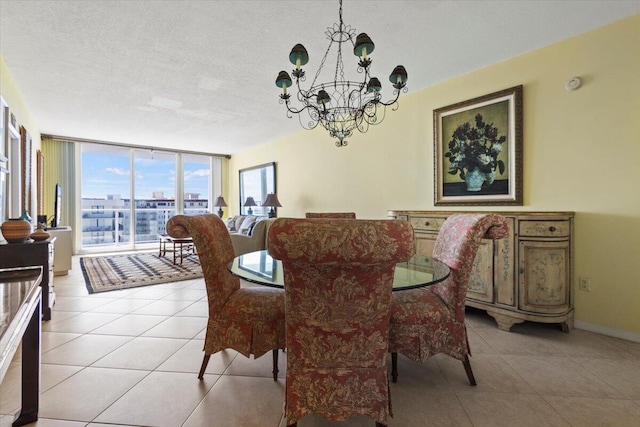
{"x": 110, "y": 273}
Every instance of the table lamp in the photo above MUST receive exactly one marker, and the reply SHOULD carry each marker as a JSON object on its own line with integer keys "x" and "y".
{"x": 248, "y": 203}
{"x": 272, "y": 201}
{"x": 220, "y": 203}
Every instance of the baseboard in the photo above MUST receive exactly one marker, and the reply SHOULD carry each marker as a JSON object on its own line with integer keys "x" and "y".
{"x": 605, "y": 330}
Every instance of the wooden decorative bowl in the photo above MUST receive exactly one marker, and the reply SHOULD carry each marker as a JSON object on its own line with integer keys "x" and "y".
{"x": 40, "y": 234}
{"x": 16, "y": 230}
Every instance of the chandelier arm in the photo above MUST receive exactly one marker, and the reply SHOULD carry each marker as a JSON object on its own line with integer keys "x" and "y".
{"x": 392, "y": 102}
{"x": 306, "y": 107}
{"x": 304, "y": 95}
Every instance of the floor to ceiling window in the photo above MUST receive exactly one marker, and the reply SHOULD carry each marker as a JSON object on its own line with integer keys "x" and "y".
{"x": 106, "y": 195}
{"x": 154, "y": 187}
{"x": 129, "y": 194}
{"x": 196, "y": 180}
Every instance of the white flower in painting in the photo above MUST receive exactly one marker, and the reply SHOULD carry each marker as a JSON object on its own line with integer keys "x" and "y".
{"x": 484, "y": 159}
{"x": 496, "y": 149}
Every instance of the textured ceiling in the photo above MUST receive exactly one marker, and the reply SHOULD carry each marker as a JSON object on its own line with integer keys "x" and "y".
{"x": 199, "y": 75}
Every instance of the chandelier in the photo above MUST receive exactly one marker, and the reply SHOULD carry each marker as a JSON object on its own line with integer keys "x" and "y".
{"x": 340, "y": 106}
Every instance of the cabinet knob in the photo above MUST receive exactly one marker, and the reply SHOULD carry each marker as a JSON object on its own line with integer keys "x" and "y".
{"x": 426, "y": 223}
{"x": 552, "y": 229}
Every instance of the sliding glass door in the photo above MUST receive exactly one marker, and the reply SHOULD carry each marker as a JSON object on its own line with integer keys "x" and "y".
{"x": 196, "y": 179}
{"x": 106, "y": 196}
{"x": 129, "y": 194}
{"x": 154, "y": 186}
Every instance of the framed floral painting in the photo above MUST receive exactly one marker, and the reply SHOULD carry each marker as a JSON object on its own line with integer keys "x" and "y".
{"x": 478, "y": 150}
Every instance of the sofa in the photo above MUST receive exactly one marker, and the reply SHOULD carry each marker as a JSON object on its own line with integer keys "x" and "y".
{"x": 248, "y": 232}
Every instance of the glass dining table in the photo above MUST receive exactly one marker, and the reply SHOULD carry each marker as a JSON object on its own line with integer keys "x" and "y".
{"x": 260, "y": 268}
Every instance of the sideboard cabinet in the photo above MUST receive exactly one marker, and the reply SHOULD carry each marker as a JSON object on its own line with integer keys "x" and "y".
{"x": 526, "y": 276}
{"x": 29, "y": 254}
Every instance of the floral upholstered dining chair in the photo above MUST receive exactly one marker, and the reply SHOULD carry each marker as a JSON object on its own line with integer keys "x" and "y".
{"x": 248, "y": 320}
{"x": 338, "y": 276}
{"x": 430, "y": 320}
{"x": 330, "y": 215}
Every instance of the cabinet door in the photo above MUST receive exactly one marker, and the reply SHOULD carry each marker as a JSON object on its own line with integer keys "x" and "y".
{"x": 505, "y": 268}
{"x": 480, "y": 285}
{"x": 425, "y": 243}
{"x": 544, "y": 280}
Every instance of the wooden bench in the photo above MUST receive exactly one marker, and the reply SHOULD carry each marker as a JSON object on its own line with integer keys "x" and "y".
{"x": 180, "y": 248}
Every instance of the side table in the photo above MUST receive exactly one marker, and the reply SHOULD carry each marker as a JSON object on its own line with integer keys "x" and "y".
{"x": 180, "y": 248}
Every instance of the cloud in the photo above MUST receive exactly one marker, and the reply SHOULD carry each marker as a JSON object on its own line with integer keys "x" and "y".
{"x": 196, "y": 173}
{"x": 118, "y": 171}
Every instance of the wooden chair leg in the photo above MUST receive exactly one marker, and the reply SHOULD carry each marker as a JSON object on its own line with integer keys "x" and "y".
{"x": 292, "y": 425}
{"x": 275, "y": 364}
{"x": 467, "y": 368}
{"x": 380, "y": 425}
{"x": 205, "y": 362}
{"x": 394, "y": 367}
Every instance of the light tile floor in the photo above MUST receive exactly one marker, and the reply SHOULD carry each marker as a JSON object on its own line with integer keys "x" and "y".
{"x": 130, "y": 358}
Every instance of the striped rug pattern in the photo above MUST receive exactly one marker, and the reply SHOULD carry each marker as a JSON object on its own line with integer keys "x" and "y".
{"x": 110, "y": 273}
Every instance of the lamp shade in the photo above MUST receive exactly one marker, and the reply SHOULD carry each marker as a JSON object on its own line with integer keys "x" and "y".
{"x": 363, "y": 45}
{"x": 283, "y": 80}
{"x": 299, "y": 55}
{"x": 249, "y": 202}
{"x": 398, "y": 76}
{"x": 374, "y": 85}
{"x": 220, "y": 201}
{"x": 322, "y": 98}
{"x": 272, "y": 200}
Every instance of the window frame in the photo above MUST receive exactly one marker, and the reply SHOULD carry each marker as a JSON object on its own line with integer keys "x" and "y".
{"x": 265, "y": 187}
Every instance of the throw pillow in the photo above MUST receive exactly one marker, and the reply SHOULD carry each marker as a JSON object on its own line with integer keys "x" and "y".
{"x": 231, "y": 223}
{"x": 239, "y": 220}
{"x": 248, "y": 222}
{"x": 254, "y": 225}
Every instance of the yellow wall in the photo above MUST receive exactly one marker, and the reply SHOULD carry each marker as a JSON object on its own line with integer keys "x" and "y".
{"x": 581, "y": 153}
{"x": 18, "y": 108}
{"x": 13, "y": 97}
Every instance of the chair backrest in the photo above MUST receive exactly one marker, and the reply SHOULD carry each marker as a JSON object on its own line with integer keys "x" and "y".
{"x": 457, "y": 245}
{"x": 331, "y": 215}
{"x": 338, "y": 277}
{"x": 213, "y": 244}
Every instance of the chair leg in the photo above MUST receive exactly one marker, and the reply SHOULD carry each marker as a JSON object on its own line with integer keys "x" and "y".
{"x": 467, "y": 368}
{"x": 275, "y": 364}
{"x": 394, "y": 367}
{"x": 380, "y": 424}
{"x": 292, "y": 425}
{"x": 205, "y": 362}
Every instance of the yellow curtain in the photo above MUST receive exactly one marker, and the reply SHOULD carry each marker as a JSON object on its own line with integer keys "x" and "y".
{"x": 59, "y": 168}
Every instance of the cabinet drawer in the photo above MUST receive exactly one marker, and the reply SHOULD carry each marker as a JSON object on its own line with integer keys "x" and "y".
{"x": 426, "y": 223}
{"x": 544, "y": 228}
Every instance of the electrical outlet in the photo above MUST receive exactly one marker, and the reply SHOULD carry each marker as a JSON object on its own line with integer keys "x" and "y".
{"x": 584, "y": 284}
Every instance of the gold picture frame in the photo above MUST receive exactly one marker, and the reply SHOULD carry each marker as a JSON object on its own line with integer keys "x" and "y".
{"x": 478, "y": 150}
{"x": 25, "y": 144}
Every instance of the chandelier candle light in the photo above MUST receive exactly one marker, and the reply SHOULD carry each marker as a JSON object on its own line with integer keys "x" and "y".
{"x": 340, "y": 106}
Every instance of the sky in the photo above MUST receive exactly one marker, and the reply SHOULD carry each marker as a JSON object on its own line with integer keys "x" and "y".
{"x": 110, "y": 174}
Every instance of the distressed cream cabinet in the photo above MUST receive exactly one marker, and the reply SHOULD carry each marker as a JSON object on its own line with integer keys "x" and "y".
{"x": 526, "y": 276}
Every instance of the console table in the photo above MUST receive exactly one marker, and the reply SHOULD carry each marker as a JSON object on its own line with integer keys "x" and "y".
{"x": 526, "y": 276}
{"x": 29, "y": 254}
{"x": 20, "y": 323}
